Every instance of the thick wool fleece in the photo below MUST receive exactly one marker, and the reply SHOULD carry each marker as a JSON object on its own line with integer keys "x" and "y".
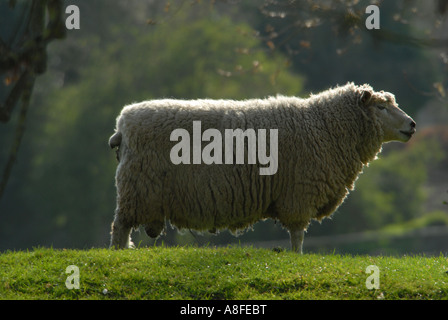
{"x": 323, "y": 143}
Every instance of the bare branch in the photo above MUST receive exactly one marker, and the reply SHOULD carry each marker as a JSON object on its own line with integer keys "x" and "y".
{"x": 23, "y": 64}
{"x": 20, "y": 129}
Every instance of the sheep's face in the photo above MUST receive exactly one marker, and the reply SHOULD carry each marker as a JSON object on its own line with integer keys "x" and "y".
{"x": 396, "y": 124}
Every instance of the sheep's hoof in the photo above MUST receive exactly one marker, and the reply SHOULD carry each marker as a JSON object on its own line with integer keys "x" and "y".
{"x": 154, "y": 229}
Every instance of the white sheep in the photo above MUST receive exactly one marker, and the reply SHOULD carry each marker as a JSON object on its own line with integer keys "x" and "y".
{"x": 323, "y": 144}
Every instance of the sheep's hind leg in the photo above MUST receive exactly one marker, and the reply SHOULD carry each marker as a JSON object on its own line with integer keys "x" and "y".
{"x": 120, "y": 235}
{"x": 297, "y": 236}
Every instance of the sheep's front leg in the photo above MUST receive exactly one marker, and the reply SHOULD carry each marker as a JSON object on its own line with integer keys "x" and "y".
{"x": 296, "y": 236}
{"x": 120, "y": 235}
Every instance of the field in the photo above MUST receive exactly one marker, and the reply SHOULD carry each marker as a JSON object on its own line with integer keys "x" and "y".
{"x": 229, "y": 273}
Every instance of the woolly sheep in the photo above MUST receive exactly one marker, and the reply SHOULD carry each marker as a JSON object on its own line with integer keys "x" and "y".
{"x": 324, "y": 142}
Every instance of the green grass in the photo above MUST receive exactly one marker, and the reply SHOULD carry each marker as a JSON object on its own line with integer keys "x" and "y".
{"x": 217, "y": 273}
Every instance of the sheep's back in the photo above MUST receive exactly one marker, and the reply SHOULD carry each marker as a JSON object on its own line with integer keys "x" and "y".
{"x": 196, "y": 196}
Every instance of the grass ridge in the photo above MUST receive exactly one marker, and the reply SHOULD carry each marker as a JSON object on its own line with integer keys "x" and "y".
{"x": 233, "y": 272}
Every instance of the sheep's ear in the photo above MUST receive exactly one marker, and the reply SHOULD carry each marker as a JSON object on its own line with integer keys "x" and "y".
{"x": 365, "y": 96}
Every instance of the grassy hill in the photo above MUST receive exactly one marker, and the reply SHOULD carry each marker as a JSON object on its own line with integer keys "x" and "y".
{"x": 216, "y": 273}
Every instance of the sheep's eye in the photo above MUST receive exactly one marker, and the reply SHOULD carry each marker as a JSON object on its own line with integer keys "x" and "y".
{"x": 381, "y": 107}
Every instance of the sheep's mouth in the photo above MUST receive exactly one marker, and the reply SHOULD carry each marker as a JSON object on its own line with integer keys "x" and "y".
{"x": 408, "y": 133}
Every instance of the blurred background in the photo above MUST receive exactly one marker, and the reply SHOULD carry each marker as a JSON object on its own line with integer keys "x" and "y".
{"x": 61, "y": 90}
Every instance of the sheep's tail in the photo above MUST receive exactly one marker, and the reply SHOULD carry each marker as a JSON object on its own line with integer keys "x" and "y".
{"x": 115, "y": 140}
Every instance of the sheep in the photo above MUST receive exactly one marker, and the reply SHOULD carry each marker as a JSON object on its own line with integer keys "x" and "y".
{"x": 324, "y": 142}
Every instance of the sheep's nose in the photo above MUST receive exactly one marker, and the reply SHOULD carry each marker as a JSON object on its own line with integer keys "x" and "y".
{"x": 412, "y": 124}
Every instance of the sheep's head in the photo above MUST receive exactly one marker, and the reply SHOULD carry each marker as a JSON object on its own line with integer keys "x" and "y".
{"x": 396, "y": 124}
